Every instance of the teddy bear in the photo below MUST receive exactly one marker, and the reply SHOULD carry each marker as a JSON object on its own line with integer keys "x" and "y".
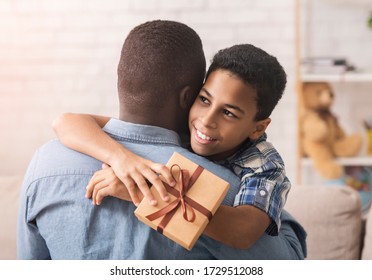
{"x": 323, "y": 139}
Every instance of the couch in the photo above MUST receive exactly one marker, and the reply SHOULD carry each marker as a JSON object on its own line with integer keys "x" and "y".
{"x": 335, "y": 225}
{"x": 331, "y": 216}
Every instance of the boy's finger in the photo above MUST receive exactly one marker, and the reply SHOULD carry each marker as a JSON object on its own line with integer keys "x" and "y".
{"x": 101, "y": 194}
{"x": 93, "y": 181}
{"x": 96, "y": 188}
{"x": 157, "y": 183}
{"x": 164, "y": 172}
{"x": 132, "y": 190}
{"x": 144, "y": 188}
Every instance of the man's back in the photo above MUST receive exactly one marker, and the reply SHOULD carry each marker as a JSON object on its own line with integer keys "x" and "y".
{"x": 69, "y": 226}
{"x": 57, "y": 221}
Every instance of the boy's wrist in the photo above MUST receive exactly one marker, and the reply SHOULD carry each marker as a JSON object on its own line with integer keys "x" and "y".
{"x": 116, "y": 155}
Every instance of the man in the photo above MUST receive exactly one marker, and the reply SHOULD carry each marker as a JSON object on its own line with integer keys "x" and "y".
{"x": 160, "y": 72}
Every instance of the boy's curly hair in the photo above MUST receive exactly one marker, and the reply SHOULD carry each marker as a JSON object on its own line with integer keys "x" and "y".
{"x": 256, "y": 68}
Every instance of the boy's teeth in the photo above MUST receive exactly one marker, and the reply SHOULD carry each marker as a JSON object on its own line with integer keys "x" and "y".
{"x": 203, "y": 136}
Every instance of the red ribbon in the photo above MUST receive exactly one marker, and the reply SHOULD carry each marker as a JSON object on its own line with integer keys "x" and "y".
{"x": 185, "y": 182}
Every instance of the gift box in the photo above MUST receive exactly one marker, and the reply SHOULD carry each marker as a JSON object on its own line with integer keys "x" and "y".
{"x": 194, "y": 200}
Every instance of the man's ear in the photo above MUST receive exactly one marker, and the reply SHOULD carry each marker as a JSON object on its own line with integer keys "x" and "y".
{"x": 186, "y": 98}
{"x": 260, "y": 128}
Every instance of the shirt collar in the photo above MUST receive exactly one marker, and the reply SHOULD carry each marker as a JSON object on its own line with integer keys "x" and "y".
{"x": 246, "y": 145}
{"x": 122, "y": 130}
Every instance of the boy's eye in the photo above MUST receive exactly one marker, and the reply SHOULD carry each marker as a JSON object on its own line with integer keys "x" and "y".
{"x": 204, "y": 100}
{"x": 229, "y": 114}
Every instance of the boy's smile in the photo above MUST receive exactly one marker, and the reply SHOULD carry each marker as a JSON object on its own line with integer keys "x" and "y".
{"x": 222, "y": 116}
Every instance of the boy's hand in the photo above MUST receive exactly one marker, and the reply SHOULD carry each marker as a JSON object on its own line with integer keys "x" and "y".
{"x": 105, "y": 183}
{"x": 134, "y": 171}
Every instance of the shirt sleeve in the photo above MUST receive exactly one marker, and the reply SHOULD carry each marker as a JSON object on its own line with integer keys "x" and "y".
{"x": 265, "y": 188}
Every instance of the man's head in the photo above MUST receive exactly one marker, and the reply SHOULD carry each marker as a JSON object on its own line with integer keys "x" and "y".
{"x": 159, "y": 61}
{"x": 243, "y": 86}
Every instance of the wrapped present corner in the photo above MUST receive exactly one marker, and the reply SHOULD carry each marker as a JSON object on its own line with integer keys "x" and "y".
{"x": 194, "y": 201}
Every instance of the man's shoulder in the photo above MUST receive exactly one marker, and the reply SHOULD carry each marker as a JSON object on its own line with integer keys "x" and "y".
{"x": 53, "y": 159}
{"x": 55, "y": 150}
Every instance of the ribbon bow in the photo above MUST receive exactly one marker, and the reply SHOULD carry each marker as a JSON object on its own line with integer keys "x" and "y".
{"x": 185, "y": 182}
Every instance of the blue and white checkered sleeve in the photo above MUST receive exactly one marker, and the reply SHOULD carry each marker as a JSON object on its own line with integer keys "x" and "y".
{"x": 265, "y": 188}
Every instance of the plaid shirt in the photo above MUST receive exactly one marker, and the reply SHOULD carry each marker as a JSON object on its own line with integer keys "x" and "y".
{"x": 264, "y": 183}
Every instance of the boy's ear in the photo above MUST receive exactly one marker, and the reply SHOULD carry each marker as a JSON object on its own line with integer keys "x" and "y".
{"x": 260, "y": 128}
{"x": 186, "y": 98}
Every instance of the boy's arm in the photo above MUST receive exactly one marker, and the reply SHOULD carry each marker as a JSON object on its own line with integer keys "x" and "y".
{"x": 239, "y": 227}
{"x": 243, "y": 225}
{"x": 84, "y": 133}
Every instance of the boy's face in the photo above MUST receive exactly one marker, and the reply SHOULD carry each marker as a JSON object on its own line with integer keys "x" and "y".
{"x": 222, "y": 116}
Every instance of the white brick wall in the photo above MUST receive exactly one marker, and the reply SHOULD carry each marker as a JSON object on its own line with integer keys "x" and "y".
{"x": 58, "y": 56}
{"x": 340, "y": 28}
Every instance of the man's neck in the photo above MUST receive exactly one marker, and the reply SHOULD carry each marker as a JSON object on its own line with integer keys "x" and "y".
{"x": 150, "y": 119}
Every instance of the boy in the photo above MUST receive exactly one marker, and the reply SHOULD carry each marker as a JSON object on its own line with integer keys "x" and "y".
{"x": 227, "y": 123}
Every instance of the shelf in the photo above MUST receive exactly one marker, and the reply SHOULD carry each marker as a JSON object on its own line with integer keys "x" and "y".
{"x": 309, "y": 45}
{"x": 346, "y": 77}
{"x": 345, "y": 161}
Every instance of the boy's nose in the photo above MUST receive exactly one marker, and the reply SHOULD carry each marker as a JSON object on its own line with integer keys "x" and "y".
{"x": 208, "y": 120}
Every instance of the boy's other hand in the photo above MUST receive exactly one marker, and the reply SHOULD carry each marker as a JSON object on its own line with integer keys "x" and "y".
{"x": 135, "y": 171}
{"x": 105, "y": 183}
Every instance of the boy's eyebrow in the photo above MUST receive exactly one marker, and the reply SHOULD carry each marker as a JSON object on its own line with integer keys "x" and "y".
{"x": 227, "y": 105}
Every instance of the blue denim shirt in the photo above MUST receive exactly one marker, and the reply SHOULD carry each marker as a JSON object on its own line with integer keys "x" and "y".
{"x": 56, "y": 221}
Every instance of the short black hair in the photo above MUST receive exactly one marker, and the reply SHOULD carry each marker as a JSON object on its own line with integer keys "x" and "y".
{"x": 159, "y": 58}
{"x": 256, "y": 68}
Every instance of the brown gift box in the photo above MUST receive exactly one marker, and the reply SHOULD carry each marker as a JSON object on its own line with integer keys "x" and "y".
{"x": 206, "y": 192}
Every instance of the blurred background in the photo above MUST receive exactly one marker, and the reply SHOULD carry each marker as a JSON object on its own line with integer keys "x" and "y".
{"x": 61, "y": 56}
